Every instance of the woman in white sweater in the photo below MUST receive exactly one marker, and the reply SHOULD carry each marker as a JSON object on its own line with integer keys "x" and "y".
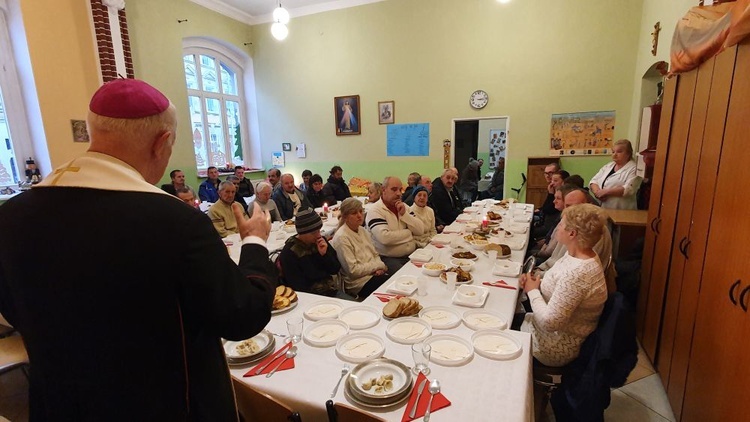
{"x": 567, "y": 303}
{"x": 361, "y": 267}
{"x": 425, "y": 214}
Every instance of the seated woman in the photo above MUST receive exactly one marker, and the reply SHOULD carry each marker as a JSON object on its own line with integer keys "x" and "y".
{"x": 424, "y": 213}
{"x": 567, "y": 303}
{"x": 362, "y": 270}
{"x": 373, "y": 192}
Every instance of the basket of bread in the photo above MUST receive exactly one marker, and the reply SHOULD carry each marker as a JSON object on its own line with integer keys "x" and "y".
{"x": 285, "y": 299}
{"x": 400, "y": 307}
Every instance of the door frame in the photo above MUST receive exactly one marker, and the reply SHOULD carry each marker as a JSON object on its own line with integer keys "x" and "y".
{"x": 464, "y": 119}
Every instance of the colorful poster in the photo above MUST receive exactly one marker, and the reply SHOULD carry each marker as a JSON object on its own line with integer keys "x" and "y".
{"x": 498, "y": 146}
{"x": 409, "y": 139}
{"x": 586, "y": 133}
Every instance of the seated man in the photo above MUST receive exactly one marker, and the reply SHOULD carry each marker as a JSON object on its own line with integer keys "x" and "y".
{"x": 208, "y": 191}
{"x": 548, "y": 214}
{"x": 237, "y": 197}
{"x": 315, "y": 193}
{"x": 289, "y": 200}
{"x": 603, "y": 246}
{"x": 392, "y": 227}
{"x": 497, "y": 184}
{"x": 444, "y": 198}
{"x": 411, "y": 183}
{"x": 178, "y": 181}
{"x": 263, "y": 198}
{"x": 423, "y": 181}
{"x": 336, "y": 190}
{"x": 308, "y": 261}
{"x": 245, "y": 188}
{"x": 221, "y": 213}
{"x": 274, "y": 176}
{"x": 188, "y": 197}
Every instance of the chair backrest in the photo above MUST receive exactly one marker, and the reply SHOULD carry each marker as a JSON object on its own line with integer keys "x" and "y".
{"x": 12, "y": 353}
{"x": 254, "y": 405}
{"x": 339, "y": 412}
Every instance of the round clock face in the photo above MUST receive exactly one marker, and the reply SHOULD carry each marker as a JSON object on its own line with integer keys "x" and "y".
{"x": 478, "y": 99}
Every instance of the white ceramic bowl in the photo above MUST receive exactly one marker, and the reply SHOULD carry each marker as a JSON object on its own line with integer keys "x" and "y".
{"x": 470, "y": 294}
{"x": 406, "y": 282}
{"x": 479, "y": 244}
{"x": 464, "y": 264}
{"x": 433, "y": 268}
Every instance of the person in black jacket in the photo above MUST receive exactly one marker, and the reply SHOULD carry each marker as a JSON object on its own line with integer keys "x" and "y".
{"x": 336, "y": 189}
{"x": 444, "y": 199}
{"x": 315, "y": 191}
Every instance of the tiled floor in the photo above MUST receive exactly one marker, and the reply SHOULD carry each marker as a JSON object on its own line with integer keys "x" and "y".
{"x": 642, "y": 398}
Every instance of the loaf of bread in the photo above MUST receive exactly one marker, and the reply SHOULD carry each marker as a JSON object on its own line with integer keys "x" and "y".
{"x": 401, "y": 307}
{"x": 284, "y": 297}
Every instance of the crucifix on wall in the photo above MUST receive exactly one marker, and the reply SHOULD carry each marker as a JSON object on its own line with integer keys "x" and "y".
{"x": 655, "y": 38}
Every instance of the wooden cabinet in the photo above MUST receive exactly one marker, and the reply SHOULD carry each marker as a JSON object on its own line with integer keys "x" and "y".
{"x": 696, "y": 278}
{"x": 536, "y": 184}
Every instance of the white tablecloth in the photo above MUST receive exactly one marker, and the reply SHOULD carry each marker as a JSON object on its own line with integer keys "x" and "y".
{"x": 480, "y": 390}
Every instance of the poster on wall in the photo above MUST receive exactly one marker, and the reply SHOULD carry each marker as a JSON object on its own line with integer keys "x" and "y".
{"x": 410, "y": 139}
{"x": 586, "y": 133}
{"x": 498, "y": 146}
{"x": 277, "y": 159}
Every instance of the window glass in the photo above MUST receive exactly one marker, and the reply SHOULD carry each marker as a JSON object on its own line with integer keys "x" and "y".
{"x": 216, "y": 133}
{"x": 190, "y": 76}
{"x": 199, "y": 145}
{"x": 208, "y": 74}
{"x": 233, "y": 124}
{"x": 228, "y": 80}
{"x": 8, "y": 166}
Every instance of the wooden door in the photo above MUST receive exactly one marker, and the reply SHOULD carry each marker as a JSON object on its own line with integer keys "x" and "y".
{"x": 719, "y": 366}
{"x": 665, "y": 128}
{"x": 704, "y": 149}
{"x": 667, "y": 212}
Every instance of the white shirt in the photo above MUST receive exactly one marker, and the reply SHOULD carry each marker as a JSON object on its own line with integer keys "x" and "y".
{"x": 625, "y": 177}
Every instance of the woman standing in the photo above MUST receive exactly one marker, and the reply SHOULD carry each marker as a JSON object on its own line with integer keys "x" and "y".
{"x": 362, "y": 270}
{"x": 616, "y": 184}
{"x": 567, "y": 303}
{"x": 425, "y": 214}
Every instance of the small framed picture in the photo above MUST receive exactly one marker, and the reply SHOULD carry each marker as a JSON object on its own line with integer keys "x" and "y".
{"x": 286, "y": 146}
{"x": 80, "y": 133}
{"x": 386, "y": 112}
{"x": 346, "y": 110}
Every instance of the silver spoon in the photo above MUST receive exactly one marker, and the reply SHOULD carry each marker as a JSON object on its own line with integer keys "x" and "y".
{"x": 289, "y": 354}
{"x": 434, "y": 388}
{"x": 344, "y": 371}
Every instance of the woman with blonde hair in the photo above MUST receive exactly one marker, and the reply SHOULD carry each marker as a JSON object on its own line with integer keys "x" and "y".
{"x": 425, "y": 214}
{"x": 362, "y": 270}
{"x": 567, "y": 303}
{"x": 373, "y": 192}
{"x": 616, "y": 184}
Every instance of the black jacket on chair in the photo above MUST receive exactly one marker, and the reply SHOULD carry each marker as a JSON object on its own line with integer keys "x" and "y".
{"x": 607, "y": 357}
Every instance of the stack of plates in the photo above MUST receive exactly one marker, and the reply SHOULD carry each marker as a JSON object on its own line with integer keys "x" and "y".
{"x": 266, "y": 344}
{"x": 357, "y": 391}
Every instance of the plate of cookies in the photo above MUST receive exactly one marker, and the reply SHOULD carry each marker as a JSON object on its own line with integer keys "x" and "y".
{"x": 285, "y": 300}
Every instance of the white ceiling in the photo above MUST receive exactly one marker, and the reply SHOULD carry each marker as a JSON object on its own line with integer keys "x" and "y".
{"x": 259, "y": 11}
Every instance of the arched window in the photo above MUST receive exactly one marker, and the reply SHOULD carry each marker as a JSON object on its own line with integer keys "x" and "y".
{"x": 217, "y": 108}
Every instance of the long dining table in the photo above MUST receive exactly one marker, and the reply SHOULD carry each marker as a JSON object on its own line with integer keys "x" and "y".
{"x": 481, "y": 389}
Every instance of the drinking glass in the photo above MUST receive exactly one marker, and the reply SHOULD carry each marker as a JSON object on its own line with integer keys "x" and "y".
{"x": 450, "y": 278}
{"x": 421, "y": 354}
{"x": 493, "y": 256}
{"x": 294, "y": 325}
{"x": 422, "y": 286}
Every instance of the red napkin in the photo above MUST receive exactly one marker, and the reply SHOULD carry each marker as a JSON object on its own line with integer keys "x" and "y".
{"x": 499, "y": 283}
{"x": 437, "y": 245}
{"x": 438, "y": 402}
{"x": 274, "y": 358}
{"x": 385, "y": 297}
{"x": 417, "y": 264}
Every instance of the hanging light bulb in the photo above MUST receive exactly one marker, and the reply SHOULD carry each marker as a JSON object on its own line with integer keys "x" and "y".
{"x": 279, "y": 31}
{"x": 281, "y": 15}
{"x": 504, "y": 1}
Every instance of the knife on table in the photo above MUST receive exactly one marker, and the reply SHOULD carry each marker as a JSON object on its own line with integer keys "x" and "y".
{"x": 419, "y": 394}
{"x": 274, "y": 357}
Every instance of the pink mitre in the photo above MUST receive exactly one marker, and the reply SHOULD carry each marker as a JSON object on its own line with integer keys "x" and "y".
{"x": 128, "y": 99}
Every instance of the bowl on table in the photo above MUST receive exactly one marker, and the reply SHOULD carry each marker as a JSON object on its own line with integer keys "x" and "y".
{"x": 433, "y": 268}
{"x": 464, "y": 264}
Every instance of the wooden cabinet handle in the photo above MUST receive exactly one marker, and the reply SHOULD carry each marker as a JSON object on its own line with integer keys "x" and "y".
{"x": 653, "y": 221}
{"x": 731, "y": 291}
{"x": 685, "y": 248}
{"x": 681, "y": 246}
{"x": 742, "y": 298}
{"x": 658, "y": 224}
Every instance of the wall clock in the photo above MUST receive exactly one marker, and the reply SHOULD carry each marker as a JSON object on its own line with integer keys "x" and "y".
{"x": 478, "y": 99}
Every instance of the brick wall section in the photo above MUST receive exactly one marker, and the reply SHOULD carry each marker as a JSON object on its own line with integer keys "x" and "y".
{"x": 107, "y": 64}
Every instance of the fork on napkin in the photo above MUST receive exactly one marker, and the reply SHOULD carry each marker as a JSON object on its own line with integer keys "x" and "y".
{"x": 279, "y": 354}
{"x": 438, "y": 402}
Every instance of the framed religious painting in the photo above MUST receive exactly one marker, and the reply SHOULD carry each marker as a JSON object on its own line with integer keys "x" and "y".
{"x": 386, "y": 112}
{"x": 346, "y": 110}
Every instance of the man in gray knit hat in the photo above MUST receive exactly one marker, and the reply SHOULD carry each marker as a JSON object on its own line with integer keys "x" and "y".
{"x": 308, "y": 261}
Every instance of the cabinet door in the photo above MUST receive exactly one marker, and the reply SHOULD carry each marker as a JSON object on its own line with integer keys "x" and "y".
{"x": 665, "y": 128}
{"x": 719, "y": 366}
{"x": 698, "y": 186}
{"x": 654, "y": 302}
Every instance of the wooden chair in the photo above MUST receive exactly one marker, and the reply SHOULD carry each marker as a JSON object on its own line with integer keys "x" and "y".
{"x": 5, "y": 330}
{"x": 13, "y": 355}
{"x": 254, "y": 405}
{"x": 339, "y": 412}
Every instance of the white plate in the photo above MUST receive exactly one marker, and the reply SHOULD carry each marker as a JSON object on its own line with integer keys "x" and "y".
{"x": 440, "y": 317}
{"x": 360, "y": 317}
{"x": 324, "y": 309}
{"x": 505, "y": 257}
{"x": 408, "y": 330}
{"x": 375, "y": 368}
{"x": 441, "y": 239}
{"x": 360, "y": 347}
{"x": 325, "y": 333}
{"x": 516, "y": 244}
{"x": 459, "y": 300}
{"x": 506, "y": 268}
{"x": 421, "y": 255}
{"x": 479, "y": 319}
{"x": 288, "y": 308}
{"x": 471, "y": 210}
{"x": 496, "y": 344}
{"x": 459, "y": 250}
{"x": 517, "y": 228}
{"x": 444, "y": 279}
{"x": 403, "y": 284}
{"x": 450, "y": 350}
{"x": 263, "y": 340}
{"x": 464, "y": 218}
